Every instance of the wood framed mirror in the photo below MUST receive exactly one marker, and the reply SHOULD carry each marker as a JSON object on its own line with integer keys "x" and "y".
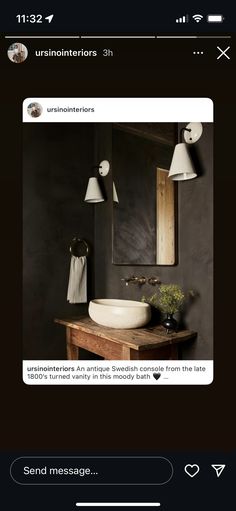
{"x": 145, "y": 206}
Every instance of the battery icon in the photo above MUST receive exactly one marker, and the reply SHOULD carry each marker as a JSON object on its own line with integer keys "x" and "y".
{"x": 215, "y": 18}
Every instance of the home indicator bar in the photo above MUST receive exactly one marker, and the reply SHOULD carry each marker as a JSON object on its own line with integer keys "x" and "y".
{"x": 118, "y": 504}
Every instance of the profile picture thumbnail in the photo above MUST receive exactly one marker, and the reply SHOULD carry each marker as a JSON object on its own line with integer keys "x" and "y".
{"x": 17, "y": 53}
{"x": 34, "y": 109}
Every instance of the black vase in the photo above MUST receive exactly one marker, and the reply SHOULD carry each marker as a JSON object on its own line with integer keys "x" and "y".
{"x": 170, "y": 323}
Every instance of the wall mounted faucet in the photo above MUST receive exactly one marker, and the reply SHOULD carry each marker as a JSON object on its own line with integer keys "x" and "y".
{"x": 134, "y": 280}
{"x": 153, "y": 281}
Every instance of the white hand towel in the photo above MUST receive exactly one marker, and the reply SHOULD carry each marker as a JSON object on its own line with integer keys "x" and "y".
{"x": 77, "y": 287}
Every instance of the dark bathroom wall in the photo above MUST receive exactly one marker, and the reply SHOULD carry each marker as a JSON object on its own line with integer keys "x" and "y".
{"x": 195, "y": 246}
{"x": 57, "y": 163}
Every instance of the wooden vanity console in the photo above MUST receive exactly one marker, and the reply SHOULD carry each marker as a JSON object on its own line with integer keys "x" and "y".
{"x": 150, "y": 343}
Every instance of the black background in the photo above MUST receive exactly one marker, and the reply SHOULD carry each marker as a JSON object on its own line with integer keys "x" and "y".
{"x": 150, "y": 420}
{"x": 135, "y": 418}
{"x": 205, "y": 491}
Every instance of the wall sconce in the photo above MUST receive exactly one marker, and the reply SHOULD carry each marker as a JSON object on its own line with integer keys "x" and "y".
{"x": 115, "y": 196}
{"x": 94, "y": 193}
{"x": 182, "y": 167}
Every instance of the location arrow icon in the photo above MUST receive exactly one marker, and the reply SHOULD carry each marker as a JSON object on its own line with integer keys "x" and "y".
{"x": 219, "y": 469}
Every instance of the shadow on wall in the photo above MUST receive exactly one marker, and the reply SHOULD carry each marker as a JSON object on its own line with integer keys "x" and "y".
{"x": 197, "y": 159}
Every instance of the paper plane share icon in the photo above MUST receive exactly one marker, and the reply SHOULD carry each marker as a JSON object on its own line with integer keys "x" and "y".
{"x": 219, "y": 469}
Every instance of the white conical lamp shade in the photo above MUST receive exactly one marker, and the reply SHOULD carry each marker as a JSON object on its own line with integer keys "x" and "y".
{"x": 181, "y": 166}
{"x": 115, "y": 196}
{"x": 93, "y": 193}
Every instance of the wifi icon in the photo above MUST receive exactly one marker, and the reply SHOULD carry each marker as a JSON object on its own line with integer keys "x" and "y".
{"x": 197, "y": 17}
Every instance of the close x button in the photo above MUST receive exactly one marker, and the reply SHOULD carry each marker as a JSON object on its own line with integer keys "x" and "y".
{"x": 223, "y": 53}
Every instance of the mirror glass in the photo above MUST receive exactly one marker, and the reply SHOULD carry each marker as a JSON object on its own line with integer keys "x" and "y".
{"x": 144, "y": 198}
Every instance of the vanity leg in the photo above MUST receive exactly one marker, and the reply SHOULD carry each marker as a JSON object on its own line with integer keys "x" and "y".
{"x": 130, "y": 354}
{"x": 126, "y": 355}
{"x": 72, "y": 350}
{"x": 173, "y": 352}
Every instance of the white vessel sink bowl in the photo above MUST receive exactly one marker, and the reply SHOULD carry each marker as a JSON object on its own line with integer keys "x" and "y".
{"x": 119, "y": 313}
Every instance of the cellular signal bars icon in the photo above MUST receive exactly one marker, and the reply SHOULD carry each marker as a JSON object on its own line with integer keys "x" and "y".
{"x": 184, "y": 19}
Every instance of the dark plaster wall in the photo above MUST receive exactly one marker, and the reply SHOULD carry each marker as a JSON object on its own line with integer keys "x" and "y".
{"x": 195, "y": 245}
{"x": 57, "y": 163}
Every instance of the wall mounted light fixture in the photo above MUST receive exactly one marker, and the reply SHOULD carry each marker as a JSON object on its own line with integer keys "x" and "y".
{"x": 115, "y": 196}
{"x": 182, "y": 167}
{"x": 94, "y": 193}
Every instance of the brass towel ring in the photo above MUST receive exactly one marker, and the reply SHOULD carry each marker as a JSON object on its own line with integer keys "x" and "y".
{"x": 79, "y": 247}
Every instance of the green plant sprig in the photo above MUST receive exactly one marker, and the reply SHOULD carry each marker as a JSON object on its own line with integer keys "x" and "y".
{"x": 169, "y": 299}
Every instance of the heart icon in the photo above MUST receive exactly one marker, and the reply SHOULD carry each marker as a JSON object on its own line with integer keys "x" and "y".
{"x": 191, "y": 470}
{"x": 156, "y": 376}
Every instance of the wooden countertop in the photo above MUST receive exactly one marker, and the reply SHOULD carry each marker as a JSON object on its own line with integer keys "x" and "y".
{"x": 138, "y": 339}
